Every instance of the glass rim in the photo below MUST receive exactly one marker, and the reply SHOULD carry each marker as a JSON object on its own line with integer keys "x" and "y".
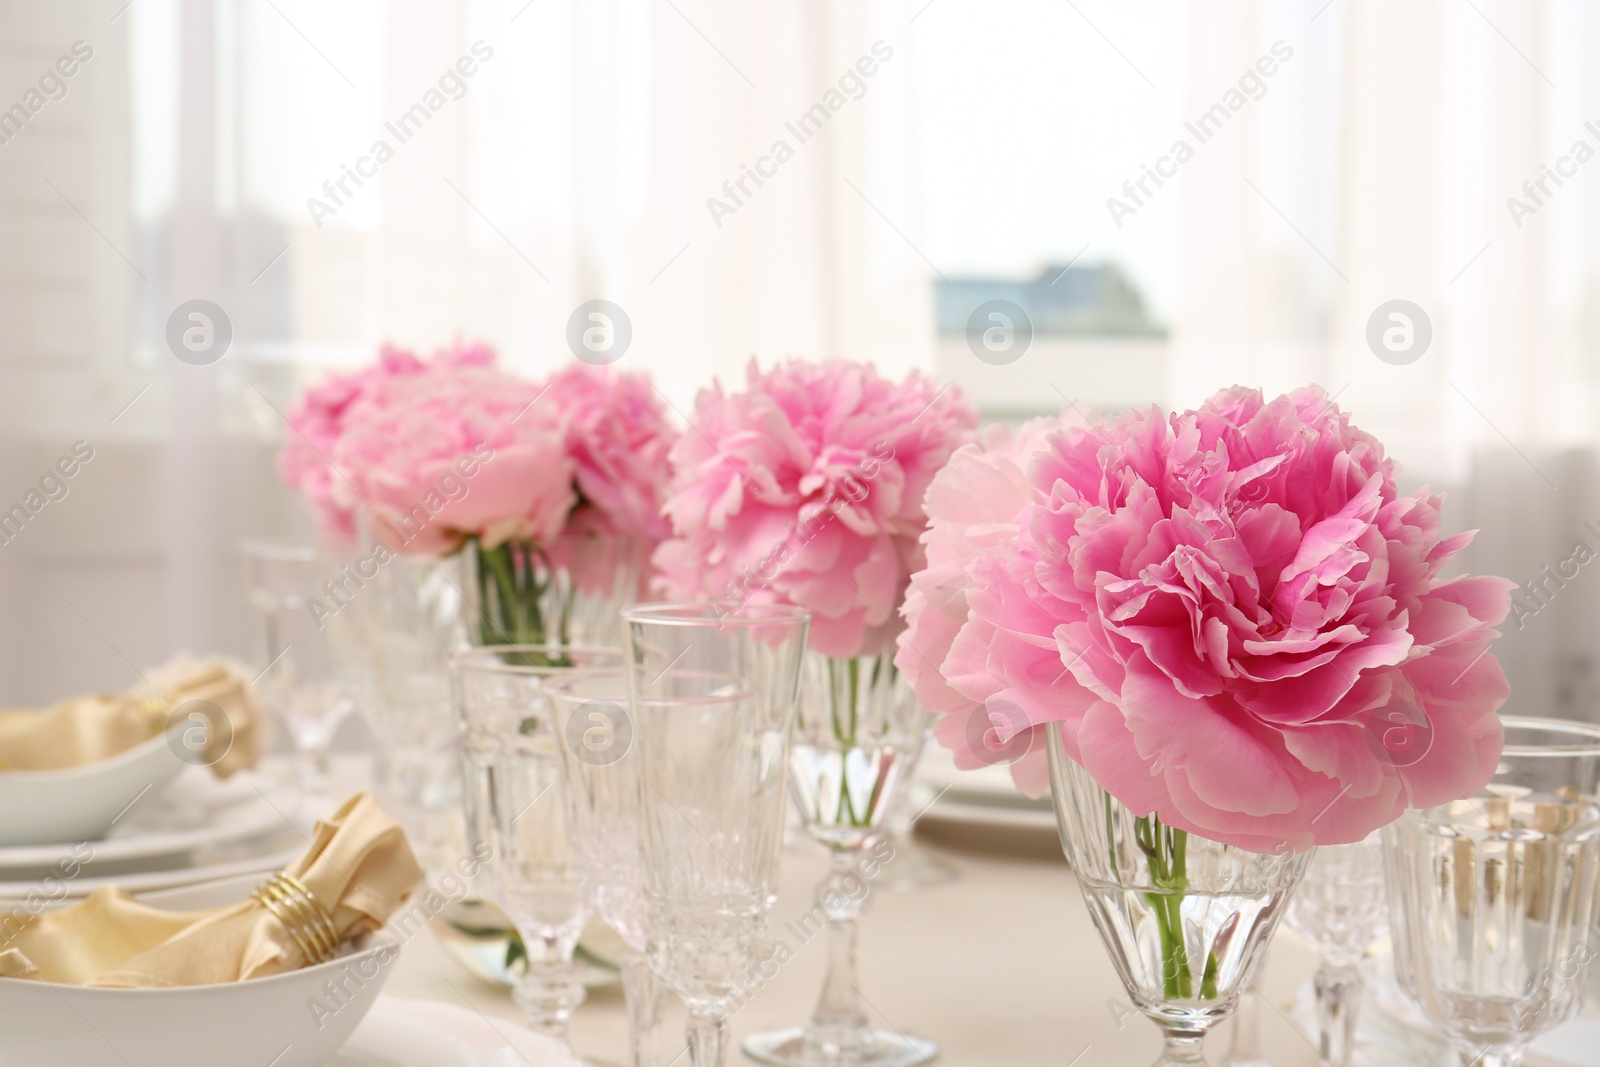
{"x": 705, "y": 613}
{"x": 483, "y": 657}
{"x": 1589, "y": 746}
{"x": 576, "y": 675}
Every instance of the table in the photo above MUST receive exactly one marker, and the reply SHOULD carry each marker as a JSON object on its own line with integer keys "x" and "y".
{"x": 1001, "y": 967}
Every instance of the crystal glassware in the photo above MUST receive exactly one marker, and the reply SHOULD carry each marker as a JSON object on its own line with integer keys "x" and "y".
{"x": 712, "y": 733}
{"x": 1186, "y": 920}
{"x": 410, "y": 612}
{"x": 858, "y": 735}
{"x": 515, "y": 806}
{"x": 600, "y": 779}
{"x": 1492, "y": 899}
{"x": 1340, "y": 910}
{"x": 310, "y": 645}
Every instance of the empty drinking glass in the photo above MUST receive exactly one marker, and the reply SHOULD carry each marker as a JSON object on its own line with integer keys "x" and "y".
{"x": 712, "y": 734}
{"x": 310, "y": 679}
{"x": 600, "y": 771}
{"x": 515, "y": 805}
{"x": 1340, "y": 910}
{"x": 1492, "y": 899}
{"x": 858, "y": 736}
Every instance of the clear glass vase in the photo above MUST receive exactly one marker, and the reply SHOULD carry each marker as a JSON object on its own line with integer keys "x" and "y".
{"x": 565, "y": 593}
{"x": 856, "y": 741}
{"x": 1185, "y": 920}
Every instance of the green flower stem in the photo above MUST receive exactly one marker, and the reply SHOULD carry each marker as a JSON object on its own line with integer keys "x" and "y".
{"x": 849, "y": 687}
{"x": 512, "y": 579}
{"x": 1166, "y": 851}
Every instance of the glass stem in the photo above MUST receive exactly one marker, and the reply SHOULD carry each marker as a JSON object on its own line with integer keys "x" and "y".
{"x": 708, "y": 1040}
{"x": 1182, "y": 1050}
{"x": 642, "y": 993}
{"x": 549, "y": 992}
{"x": 1338, "y": 1002}
{"x": 1246, "y": 1048}
{"x": 839, "y": 1021}
{"x": 312, "y": 764}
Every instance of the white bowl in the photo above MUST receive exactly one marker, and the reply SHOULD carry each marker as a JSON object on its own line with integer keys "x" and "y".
{"x": 287, "y": 1020}
{"x": 81, "y": 803}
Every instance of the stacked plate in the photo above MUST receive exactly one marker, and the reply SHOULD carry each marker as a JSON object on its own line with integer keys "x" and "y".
{"x": 180, "y": 829}
{"x": 981, "y": 809}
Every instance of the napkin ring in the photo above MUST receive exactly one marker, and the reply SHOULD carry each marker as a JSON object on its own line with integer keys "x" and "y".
{"x": 301, "y": 914}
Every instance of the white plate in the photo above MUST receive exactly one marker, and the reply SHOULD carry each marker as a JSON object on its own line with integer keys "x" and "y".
{"x": 400, "y": 1032}
{"x": 82, "y": 803}
{"x": 193, "y": 812}
{"x": 67, "y": 890}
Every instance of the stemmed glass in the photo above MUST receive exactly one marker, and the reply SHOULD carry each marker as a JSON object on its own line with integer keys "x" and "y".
{"x": 514, "y": 802}
{"x": 1340, "y": 910}
{"x": 712, "y": 733}
{"x": 1493, "y": 899}
{"x": 858, "y": 736}
{"x": 1185, "y": 919}
{"x": 600, "y": 778}
{"x": 310, "y": 648}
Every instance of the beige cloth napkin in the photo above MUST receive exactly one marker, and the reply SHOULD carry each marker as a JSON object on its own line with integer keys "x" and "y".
{"x": 359, "y": 866}
{"x": 92, "y": 728}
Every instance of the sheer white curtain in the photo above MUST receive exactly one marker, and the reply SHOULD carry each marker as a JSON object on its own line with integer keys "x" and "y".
{"x": 1378, "y": 166}
{"x": 537, "y": 155}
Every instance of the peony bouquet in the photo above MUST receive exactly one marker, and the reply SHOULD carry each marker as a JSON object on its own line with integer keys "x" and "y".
{"x": 1236, "y": 624}
{"x": 550, "y": 490}
{"x": 807, "y": 489}
{"x": 1237, "y": 618}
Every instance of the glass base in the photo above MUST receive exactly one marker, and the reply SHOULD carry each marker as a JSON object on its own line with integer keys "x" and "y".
{"x": 879, "y": 1048}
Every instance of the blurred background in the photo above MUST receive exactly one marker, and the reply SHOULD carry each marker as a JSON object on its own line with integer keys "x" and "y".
{"x": 1174, "y": 196}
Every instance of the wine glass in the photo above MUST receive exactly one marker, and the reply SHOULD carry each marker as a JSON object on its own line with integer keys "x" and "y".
{"x": 1493, "y": 899}
{"x": 311, "y": 644}
{"x": 515, "y": 805}
{"x": 712, "y": 732}
{"x": 1186, "y": 920}
{"x": 1340, "y": 910}
{"x": 600, "y": 778}
{"x": 859, "y": 734}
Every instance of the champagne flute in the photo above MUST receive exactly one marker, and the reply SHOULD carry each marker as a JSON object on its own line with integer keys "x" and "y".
{"x": 713, "y": 734}
{"x": 600, "y": 778}
{"x": 515, "y": 805}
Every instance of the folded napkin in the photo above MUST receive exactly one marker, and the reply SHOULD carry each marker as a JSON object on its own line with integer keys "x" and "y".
{"x": 92, "y": 728}
{"x": 359, "y": 866}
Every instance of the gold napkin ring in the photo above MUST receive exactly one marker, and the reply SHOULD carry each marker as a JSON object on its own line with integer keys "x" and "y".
{"x": 302, "y": 915}
{"x": 155, "y": 708}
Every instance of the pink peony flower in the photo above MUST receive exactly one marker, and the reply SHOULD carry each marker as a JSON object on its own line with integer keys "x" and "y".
{"x": 1238, "y": 620}
{"x": 320, "y": 416}
{"x": 972, "y": 504}
{"x": 316, "y": 422}
{"x": 463, "y": 450}
{"x": 619, "y": 437}
{"x": 807, "y": 489}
